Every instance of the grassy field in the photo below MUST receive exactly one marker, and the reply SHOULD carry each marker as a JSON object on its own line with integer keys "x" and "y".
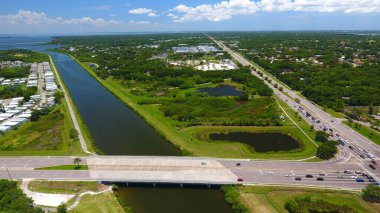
{"x": 367, "y": 132}
{"x": 169, "y": 128}
{"x": 334, "y": 113}
{"x": 273, "y": 198}
{"x": 64, "y": 167}
{"x": 47, "y": 136}
{"x": 104, "y": 203}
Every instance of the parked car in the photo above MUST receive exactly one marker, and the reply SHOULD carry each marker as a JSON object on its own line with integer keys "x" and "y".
{"x": 320, "y": 179}
{"x": 309, "y": 176}
{"x": 374, "y": 162}
{"x": 360, "y": 180}
{"x": 372, "y": 167}
{"x": 298, "y": 178}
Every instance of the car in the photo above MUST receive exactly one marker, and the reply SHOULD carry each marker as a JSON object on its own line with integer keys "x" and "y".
{"x": 320, "y": 179}
{"x": 372, "y": 180}
{"x": 309, "y": 176}
{"x": 369, "y": 177}
{"x": 347, "y": 172}
{"x": 353, "y": 177}
{"x": 376, "y": 183}
{"x": 362, "y": 156}
{"x": 374, "y": 162}
{"x": 372, "y": 167}
{"x": 340, "y": 176}
{"x": 322, "y": 174}
{"x": 298, "y": 178}
{"x": 203, "y": 163}
{"x": 240, "y": 179}
{"x": 360, "y": 180}
{"x": 364, "y": 175}
{"x": 350, "y": 147}
{"x": 358, "y": 172}
{"x": 238, "y": 164}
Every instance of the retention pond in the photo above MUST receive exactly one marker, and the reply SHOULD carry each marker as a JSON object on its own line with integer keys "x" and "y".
{"x": 260, "y": 142}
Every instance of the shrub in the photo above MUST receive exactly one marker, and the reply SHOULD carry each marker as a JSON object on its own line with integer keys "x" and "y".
{"x": 371, "y": 193}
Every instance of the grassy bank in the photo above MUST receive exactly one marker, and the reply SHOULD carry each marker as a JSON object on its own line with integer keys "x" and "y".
{"x": 104, "y": 202}
{"x": 169, "y": 129}
{"x": 200, "y": 136}
{"x": 367, "y": 132}
{"x": 273, "y": 198}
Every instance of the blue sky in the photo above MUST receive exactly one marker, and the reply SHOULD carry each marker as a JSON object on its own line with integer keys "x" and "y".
{"x": 87, "y": 16}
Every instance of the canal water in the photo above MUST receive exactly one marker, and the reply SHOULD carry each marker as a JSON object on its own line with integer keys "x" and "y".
{"x": 260, "y": 142}
{"x": 117, "y": 130}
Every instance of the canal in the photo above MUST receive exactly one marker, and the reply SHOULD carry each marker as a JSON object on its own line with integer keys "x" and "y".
{"x": 117, "y": 130}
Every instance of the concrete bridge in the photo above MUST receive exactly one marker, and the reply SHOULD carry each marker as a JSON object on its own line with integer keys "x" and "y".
{"x": 188, "y": 170}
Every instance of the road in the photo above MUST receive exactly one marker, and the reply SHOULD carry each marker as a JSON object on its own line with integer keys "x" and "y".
{"x": 191, "y": 170}
{"x": 72, "y": 114}
{"x": 359, "y": 144}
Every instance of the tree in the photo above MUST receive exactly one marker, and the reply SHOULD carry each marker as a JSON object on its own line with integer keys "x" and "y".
{"x": 242, "y": 97}
{"x": 62, "y": 208}
{"x": 73, "y": 134}
{"x": 370, "y": 109}
{"x": 371, "y": 193}
{"x": 77, "y": 161}
{"x": 321, "y": 136}
{"x": 58, "y": 95}
{"x": 327, "y": 150}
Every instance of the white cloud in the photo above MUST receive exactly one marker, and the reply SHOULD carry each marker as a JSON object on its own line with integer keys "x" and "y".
{"x": 37, "y": 18}
{"x": 227, "y": 9}
{"x": 146, "y": 11}
{"x": 216, "y": 12}
{"x": 138, "y": 22}
{"x": 321, "y": 6}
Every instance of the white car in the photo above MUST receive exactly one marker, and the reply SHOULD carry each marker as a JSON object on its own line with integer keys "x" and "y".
{"x": 353, "y": 177}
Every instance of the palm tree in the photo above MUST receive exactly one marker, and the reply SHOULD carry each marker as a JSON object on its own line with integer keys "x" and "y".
{"x": 77, "y": 161}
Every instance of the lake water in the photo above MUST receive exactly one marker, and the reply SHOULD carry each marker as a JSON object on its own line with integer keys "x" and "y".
{"x": 260, "y": 142}
{"x": 223, "y": 90}
{"x": 117, "y": 130}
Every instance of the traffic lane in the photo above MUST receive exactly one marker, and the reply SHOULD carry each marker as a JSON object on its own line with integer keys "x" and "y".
{"x": 275, "y": 165}
{"x": 45, "y": 174}
{"x": 252, "y": 177}
{"x": 31, "y": 162}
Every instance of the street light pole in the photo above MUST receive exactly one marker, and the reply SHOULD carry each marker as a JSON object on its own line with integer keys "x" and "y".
{"x": 9, "y": 174}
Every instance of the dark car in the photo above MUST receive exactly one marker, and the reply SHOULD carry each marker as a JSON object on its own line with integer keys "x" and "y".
{"x": 362, "y": 156}
{"x": 320, "y": 179}
{"x": 238, "y": 164}
{"x": 297, "y": 178}
{"x": 372, "y": 167}
{"x": 359, "y": 180}
{"x": 351, "y": 147}
{"x": 240, "y": 179}
{"x": 309, "y": 176}
{"x": 347, "y": 172}
{"x": 372, "y": 180}
{"x": 369, "y": 177}
{"x": 374, "y": 162}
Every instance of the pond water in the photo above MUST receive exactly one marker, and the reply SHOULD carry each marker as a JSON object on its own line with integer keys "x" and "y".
{"x": 222, "y": 90}
{"x": 260, "y": 142}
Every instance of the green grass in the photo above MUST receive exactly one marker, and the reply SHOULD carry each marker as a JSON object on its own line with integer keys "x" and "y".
{"x": 64, "y": 167}
{"x": 366, "y": 132}
{"x": 104, "y": 203}
{"x": 181, "y": 138}
{"x": 273, "y": 198}
{"x": 64, "y": 187}
{"x": 334, "y": 113}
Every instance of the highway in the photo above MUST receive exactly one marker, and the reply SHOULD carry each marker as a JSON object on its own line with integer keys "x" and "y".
{"x": 361, "y": 146}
